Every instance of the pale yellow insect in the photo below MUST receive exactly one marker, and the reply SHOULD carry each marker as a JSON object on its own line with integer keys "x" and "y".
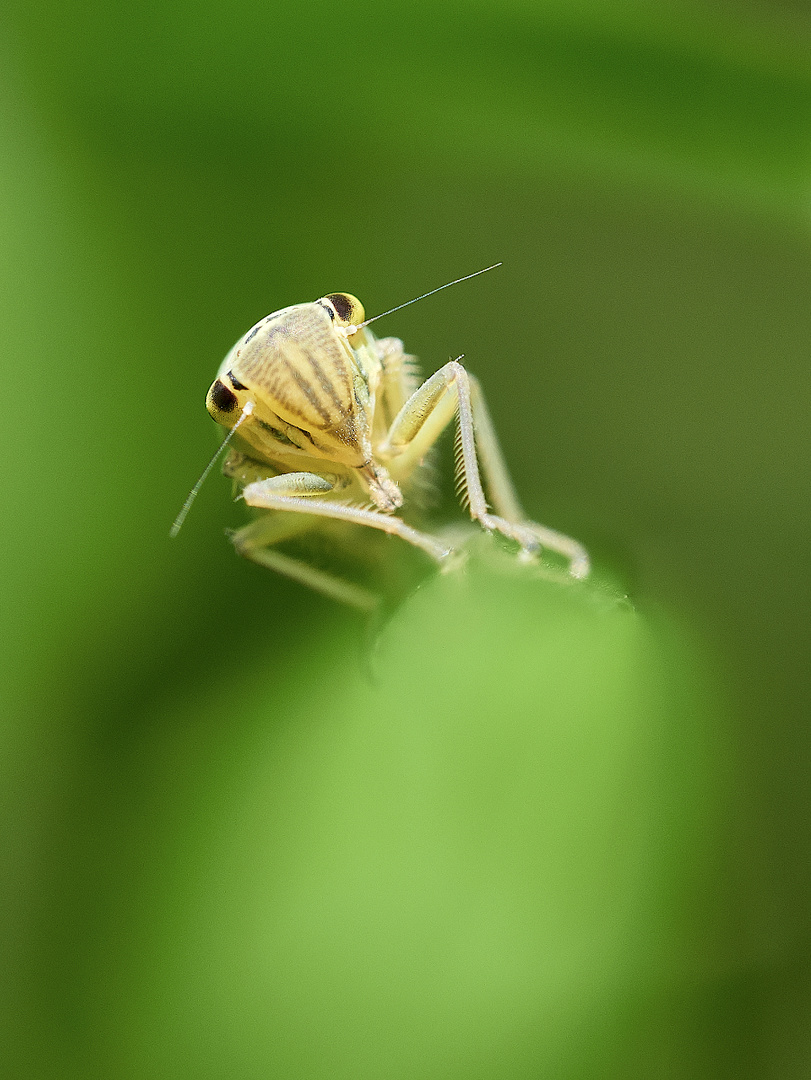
{"x": 330, "y": 423}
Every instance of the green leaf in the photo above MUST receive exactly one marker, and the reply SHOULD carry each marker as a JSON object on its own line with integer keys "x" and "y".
{"x": 474, "y": 857}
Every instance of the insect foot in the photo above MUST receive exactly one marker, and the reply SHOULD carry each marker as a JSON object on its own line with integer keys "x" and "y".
{"x": 522, "y": 534}
{"x": 579, "y": 563}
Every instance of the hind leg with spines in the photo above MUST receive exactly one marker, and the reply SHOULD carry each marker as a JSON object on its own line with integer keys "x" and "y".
{"x": 449, "y": 392}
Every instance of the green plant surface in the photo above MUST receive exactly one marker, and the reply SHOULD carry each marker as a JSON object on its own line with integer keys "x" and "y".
{"x": 486, "y": 852}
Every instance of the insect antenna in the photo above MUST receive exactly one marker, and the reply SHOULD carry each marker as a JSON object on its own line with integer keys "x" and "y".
{"x": 352, "y": 329}
{"x": 247, "y": 409}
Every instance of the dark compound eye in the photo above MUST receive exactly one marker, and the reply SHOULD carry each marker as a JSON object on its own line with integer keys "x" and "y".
{"x": 343, "y": 305}
{"x": 222, "y": 398}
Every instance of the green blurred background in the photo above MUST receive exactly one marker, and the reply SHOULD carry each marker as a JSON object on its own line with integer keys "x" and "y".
{"x": 231, "y": 850}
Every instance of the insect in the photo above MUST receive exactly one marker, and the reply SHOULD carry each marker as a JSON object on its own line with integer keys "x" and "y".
{"x": 329, "y": 424}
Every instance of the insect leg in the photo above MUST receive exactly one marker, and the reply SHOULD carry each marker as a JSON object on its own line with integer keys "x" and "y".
{"x": 254, "y": 542}
{"x": 502, "y": 493}
{"x": 345, "y": 592}
{"x": 290, "y": 492}
{"x": 419, "y": 423}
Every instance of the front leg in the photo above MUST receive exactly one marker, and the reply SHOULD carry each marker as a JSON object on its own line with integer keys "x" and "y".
{"x": 422, "y": 419}
{"x": 298, "y": 493}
